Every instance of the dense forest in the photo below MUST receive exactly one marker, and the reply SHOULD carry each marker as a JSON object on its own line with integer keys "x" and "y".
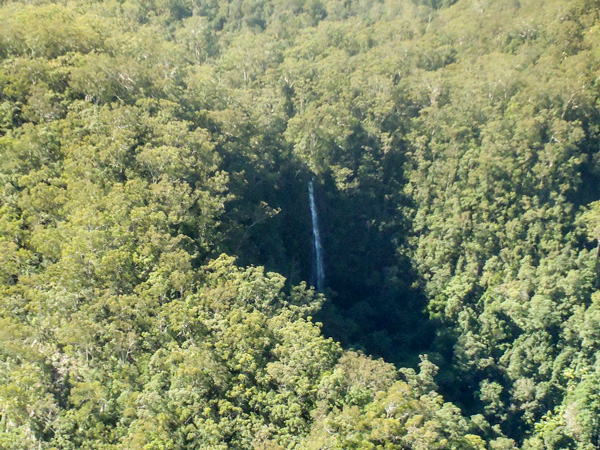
{"x": 157, "y": 256}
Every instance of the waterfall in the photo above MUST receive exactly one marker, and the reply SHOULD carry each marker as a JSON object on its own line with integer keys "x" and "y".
{"x": 317, "y": 238}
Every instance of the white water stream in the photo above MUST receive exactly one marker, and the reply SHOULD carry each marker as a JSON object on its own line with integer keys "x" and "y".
{"x": 320, "y": 270}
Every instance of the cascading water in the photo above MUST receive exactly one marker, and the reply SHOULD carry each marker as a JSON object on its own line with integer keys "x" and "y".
{"x": 319, "y": 268}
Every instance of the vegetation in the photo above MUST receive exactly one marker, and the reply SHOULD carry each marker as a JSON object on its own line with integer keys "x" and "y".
{"x": 155, "y": 231}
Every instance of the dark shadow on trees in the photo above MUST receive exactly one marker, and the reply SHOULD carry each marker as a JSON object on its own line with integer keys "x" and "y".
{"x": 375, "y": 302}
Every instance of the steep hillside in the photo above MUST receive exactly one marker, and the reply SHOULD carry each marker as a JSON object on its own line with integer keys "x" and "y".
{"x": 156, "y": 236}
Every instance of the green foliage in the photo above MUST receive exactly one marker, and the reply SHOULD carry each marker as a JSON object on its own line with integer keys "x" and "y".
{"x": 454, "y": 151}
